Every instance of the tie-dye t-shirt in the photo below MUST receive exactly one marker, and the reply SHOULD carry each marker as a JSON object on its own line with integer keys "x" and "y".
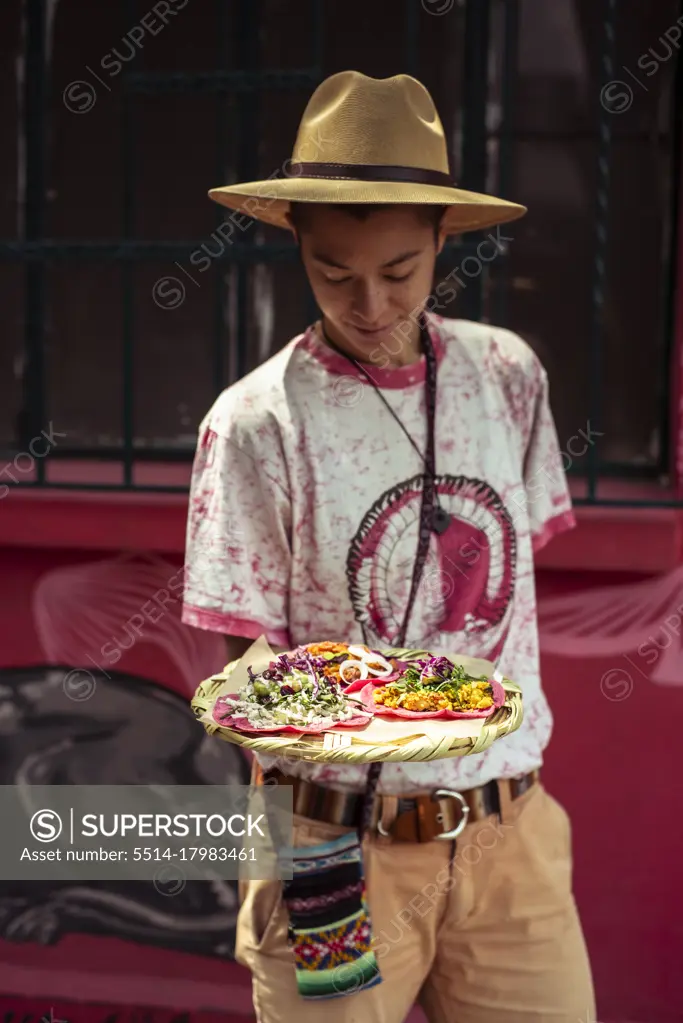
{"x": 304, "y": 513}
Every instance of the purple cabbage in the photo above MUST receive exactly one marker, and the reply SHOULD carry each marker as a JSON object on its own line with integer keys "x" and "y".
{"x": 437, "y": 667}
{"x": 302, "y": 661}
{"x": 311, "y": 668}
{"x": 442, "y": 666}
{"x": 305, "y": 662}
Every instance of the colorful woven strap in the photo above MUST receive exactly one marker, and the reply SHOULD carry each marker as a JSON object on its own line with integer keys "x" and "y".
{"x": 329, "y": 923}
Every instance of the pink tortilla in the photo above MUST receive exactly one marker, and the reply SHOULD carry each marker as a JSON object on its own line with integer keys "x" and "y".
{"x": 241, "y": 723}
{"x": 390, "y": 712}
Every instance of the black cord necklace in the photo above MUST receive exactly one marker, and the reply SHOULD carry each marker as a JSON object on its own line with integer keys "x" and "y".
{"x": 440, "y": 517}
{"x": 433, "y": 519}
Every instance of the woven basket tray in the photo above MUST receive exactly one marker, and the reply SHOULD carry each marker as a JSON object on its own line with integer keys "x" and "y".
{"x": 456, "y": 738}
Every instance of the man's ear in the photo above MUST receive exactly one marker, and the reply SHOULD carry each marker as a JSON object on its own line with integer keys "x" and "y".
{"x": 441, "y": 239}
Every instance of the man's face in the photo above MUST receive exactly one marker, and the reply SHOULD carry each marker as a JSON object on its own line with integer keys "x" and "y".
{"x": 370, "y": 276}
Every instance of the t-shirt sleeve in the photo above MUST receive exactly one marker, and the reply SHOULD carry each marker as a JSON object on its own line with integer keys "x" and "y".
{"x": 238, "y": 552}
{"x": 548, "y": 503}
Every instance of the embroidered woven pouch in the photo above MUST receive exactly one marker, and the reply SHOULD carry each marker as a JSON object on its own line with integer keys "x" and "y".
{"x": 329, "y": 922}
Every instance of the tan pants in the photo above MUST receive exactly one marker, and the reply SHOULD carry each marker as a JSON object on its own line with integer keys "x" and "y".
{"x": 489, "y": 934}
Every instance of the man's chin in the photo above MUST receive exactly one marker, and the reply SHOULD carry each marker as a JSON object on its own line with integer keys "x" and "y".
{"x": 370, "y": 338}
{"x": 364, "y": 344}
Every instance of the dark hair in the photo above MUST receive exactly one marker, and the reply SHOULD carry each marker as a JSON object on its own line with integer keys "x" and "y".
{"x": 427, "y": 213}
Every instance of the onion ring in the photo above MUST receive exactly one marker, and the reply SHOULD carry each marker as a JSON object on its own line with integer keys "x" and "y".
{"x": 369, "y": 659}
{"x": 361, "y": 665}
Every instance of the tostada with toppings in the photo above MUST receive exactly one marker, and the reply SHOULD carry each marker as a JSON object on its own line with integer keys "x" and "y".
{"x": 305, "y": 690}
{"x": 433, "y": 687}
{"x": 327, "y": 685}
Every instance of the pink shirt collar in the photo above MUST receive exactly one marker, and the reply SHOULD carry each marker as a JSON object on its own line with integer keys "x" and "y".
{"x": 394, "y": 376}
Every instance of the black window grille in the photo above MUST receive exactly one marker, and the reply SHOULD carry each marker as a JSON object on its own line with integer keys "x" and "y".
{"x": 129, "y": 304}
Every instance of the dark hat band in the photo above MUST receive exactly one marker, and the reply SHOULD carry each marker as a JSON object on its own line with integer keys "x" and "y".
{"x": 370, "y": 172}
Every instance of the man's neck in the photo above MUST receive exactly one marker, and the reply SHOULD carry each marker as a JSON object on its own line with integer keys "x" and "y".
{"x": 401, "y": 348}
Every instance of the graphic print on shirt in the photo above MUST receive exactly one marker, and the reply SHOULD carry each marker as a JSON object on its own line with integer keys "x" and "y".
{"x": 465, "y": 596}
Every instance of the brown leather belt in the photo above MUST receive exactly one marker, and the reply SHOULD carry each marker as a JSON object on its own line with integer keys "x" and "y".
{"x": 442, "y": 814}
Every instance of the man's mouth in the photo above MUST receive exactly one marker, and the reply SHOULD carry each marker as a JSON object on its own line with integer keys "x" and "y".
{"x": 370, "y": 331}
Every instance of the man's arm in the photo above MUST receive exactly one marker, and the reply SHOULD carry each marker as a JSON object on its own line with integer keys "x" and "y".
{"x": 238, "y": 645}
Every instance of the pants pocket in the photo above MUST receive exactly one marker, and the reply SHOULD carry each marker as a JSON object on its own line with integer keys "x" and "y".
{"x": 258, "y": 916}
{"x": 546, "y": 830}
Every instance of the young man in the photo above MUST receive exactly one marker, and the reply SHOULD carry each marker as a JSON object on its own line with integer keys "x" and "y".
{"x": 383, "y": 436}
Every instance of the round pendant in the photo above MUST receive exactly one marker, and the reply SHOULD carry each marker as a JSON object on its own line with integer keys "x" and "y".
{"x": 440, "y": 520}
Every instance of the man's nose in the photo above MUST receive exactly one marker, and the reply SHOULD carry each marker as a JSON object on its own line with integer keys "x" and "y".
{"x": 369, "y": 301}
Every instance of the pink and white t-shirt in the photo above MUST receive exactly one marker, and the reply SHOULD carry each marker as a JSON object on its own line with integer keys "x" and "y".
{"x": 304, "y": 515}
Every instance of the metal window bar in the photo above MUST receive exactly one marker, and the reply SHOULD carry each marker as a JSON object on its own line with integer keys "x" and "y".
{"x": 504, "y": 136}
{"x": 670, "y": 282}
{"x": 245, "y": 83}
{"x": 601, "y": 226}
{"x": 128, "y": 276}
{"x": 223, "y": 111}
{"x": 32, "y": 416}
{"x": 474, "y": 135}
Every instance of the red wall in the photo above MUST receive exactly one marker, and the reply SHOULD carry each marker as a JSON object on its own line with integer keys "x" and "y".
{"x": 613, "y": 762}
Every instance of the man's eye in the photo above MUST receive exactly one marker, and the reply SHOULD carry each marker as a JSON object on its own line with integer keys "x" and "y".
{"x": 387, "y": 277}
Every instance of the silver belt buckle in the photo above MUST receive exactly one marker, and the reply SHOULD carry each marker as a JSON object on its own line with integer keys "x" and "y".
{"x": 448, "y": 836}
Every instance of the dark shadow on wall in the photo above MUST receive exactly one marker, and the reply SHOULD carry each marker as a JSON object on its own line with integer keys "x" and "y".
{"x": 134, "y": 732}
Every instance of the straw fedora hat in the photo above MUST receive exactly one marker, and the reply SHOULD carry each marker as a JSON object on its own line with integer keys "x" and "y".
{"x": 368, "y": 140}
